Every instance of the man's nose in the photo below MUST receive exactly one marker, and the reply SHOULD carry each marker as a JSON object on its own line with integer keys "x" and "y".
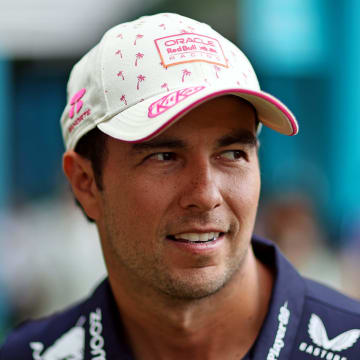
{"x": 200, "y": 187}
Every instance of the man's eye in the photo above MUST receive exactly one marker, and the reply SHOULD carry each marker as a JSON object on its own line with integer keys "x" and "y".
{"x": 163, "y": 156}
{"x": 234, "y": 154}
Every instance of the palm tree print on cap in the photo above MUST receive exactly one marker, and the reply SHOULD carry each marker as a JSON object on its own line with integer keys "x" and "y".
{"x": 185, "y": 73}
{"x": 139, "y": 56}
{"x": 217, "y": 70}
{"x": 123, "y": 98}
{"x": 165, "y": 86}
{"x": 138, "y": 36}
{"x": 140, "y": 78}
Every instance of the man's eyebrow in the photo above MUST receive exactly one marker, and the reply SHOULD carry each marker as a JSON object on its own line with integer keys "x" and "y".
{"x": 244, "y": 137}
{"x": 159, "y": 144}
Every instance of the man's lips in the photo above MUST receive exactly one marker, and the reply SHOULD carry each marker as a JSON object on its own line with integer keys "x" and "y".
{"x": 196, "y": 237}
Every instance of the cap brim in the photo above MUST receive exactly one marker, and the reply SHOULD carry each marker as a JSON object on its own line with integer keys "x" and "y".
{"x": 135, "y": 125}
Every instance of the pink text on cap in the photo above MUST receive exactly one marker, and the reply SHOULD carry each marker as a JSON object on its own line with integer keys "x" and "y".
{"x": 170, "y": 100}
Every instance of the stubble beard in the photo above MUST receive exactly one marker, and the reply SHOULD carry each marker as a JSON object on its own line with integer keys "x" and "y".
{"x": 149, "y": 275}
{"x": 199, "y": 284}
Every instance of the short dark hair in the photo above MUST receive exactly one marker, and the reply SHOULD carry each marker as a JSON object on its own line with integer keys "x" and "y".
{"x": 92, "y": 146}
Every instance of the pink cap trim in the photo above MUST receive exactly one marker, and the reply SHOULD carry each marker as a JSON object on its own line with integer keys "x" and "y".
{"x": 268, "y": 98}
{"x": 276, "y": 103}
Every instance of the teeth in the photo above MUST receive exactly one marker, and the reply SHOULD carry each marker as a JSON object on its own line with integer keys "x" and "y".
{"x": 202, "y": 237}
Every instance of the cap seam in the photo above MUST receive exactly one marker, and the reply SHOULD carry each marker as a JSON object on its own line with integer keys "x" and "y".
{"x": 102, "y": 70}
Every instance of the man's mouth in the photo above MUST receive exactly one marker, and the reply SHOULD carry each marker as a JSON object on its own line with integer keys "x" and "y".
{"x": 196, "y": 237}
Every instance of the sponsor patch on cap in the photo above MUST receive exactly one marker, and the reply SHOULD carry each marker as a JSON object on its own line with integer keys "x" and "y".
{"x": 170, "y": 100}
{"x": 189, "y": 47}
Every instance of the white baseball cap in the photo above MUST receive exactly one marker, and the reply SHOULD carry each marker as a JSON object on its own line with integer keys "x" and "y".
{"x": 146, "y": 74}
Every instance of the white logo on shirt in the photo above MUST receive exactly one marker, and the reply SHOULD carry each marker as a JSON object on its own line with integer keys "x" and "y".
{"x": 69, "y": 346}
{"x": 318, "y": 335}
{"x": 284, "y": 316}
{"x": 97, "y": 340}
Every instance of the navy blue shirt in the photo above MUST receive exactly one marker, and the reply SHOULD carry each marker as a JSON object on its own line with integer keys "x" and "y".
{"x": 306, "y": 321}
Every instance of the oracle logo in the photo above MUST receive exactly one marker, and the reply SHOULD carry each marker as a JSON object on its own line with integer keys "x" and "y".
{"x": 185, "y": 48}
{"x": 185, "y": 40}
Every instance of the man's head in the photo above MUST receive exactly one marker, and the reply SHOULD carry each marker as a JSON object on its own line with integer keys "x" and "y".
{"x": 176, "y": 213}
{"x": 174, "y": 184}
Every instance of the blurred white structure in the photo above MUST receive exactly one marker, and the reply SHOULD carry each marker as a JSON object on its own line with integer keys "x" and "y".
{"x": 45, "y": 28}
{"x": 50, "y": 256}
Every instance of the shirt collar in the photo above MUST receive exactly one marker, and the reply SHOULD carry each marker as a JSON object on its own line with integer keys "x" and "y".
{"x": 277, "y": 335}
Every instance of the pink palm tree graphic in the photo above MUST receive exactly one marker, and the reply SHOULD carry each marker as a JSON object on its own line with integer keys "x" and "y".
{"x": 138, "y": 36}
{"x": 121, "y": 73}
{"x": 185, "y": 73}
{"x": 217, "y": 69}
{"x": 139, "y": 55}
{"x": 123, "y": 98}
{"x": 140, "y": 78}
{"x": 165, "y": 86}
{"x": 119, "y": 53}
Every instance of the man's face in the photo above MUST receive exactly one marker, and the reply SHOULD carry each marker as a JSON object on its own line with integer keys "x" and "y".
{"x": 177, "y": 212}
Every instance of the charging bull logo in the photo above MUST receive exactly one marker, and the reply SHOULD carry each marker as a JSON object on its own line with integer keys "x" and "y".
{"x": 70, "y": 346}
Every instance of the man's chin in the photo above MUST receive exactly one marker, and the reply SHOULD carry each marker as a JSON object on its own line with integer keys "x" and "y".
{"x": 196, "y": 284}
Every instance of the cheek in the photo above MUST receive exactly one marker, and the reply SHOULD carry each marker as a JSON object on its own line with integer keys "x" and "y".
{"x": 140, "y": 203}
{"x": 243, "y": 194}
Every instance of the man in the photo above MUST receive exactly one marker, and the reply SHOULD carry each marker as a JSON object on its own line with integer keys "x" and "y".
{"x": 161, "y": 137}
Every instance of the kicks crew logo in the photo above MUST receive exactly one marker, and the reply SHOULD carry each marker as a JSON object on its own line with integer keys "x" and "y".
{"x": 69, "y": 346}
{"x": 186, "y": 47}
{"x": 284, "y": 316}
{"x": 170, "y": 100}
{"x": 324, "y": 347}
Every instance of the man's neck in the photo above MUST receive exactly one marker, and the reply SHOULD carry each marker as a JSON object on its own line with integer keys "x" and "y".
{"x": 223, "y": 325}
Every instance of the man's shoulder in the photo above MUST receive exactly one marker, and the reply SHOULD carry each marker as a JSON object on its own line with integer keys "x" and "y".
{"x": 314, "y": 320}
{"x": 318, "y": 294}
{"x": 31, "y": 337}
{"x": 329, "y": 325}
{"x": 327, "y": 306}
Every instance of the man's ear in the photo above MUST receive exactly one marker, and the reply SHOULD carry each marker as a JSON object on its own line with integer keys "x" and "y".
{"x": 80, "y": 174}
